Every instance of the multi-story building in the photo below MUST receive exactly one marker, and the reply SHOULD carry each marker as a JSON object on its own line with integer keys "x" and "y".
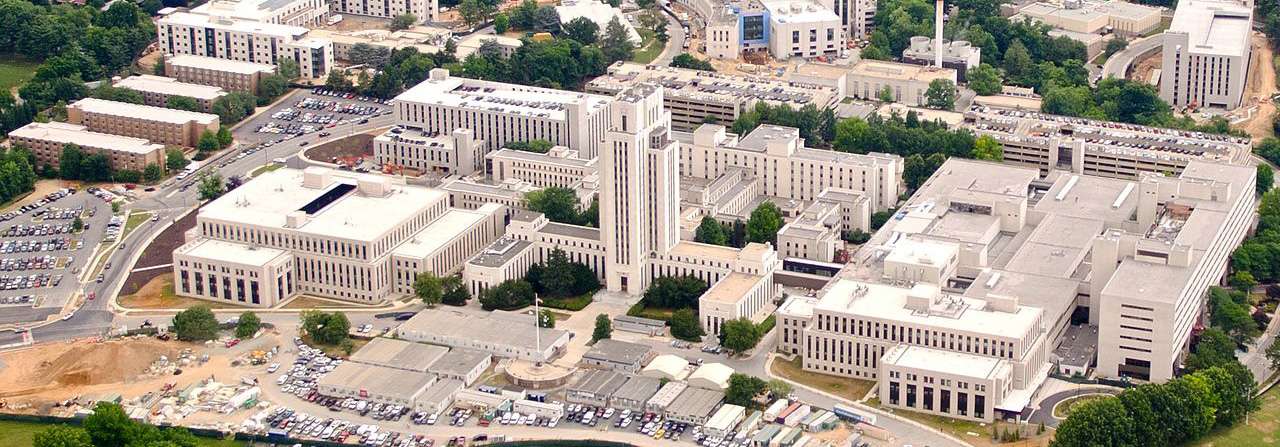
{"x": 597, "y": 12}
{"x": 802, "y": 28}
{"x": 280, "y": 12}
{"x": 157, "y": 124}
{"x": 1102, "y": 148}
{"x": 696, "y": 97}
{"x": 560, "y": 167}
{"x": 422, "y": 10}
{"x": 235, "y": 273}
{"x": 1206, "y": 54}
{"x": 737, "y": 295}
{"x": 456, "y": 153}
{"x": 156, "y": 90}
{"x": 499, "y": 113}
{"x": 244, "y": 40}
{"x": 777, "y": 156}
{"x": 340, "y": 232}
{"x": 817, "y": 232}
{"x": 503, "y": 334}
{"x": 1095, "y": 17}
{"x": 956, "y": 305}
{"x": 46, "y": 140}
{"x": 231, "y": 75}
{"x": 959, "y": 55}
{"x": 907, "y": 83}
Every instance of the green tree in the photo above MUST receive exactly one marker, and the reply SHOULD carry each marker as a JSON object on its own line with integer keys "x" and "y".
{"x": 764, "y": 223}
{"x": 685, "y": 325}
{"x": 1243, "y": 281}
{"x": 987, "y": 148}
{"x": 77, "y": 224}
{"x": 501, "y": 23}
{"x": 1214, "y": 348}
{"x": 509, "y": 295}
{"x": 941, "y": 94}
{"x": 197, "y": 324}
{"x": 522, "y": 14}
{"x": 1233, "y": 386}
{"x": 1018, "y": 64}
{"x": 546, "y": 319}
{"x": 743, "y": 389}
{"x": 248, "y": 325}
{"x": 1266, "y": 178}
{"x": 710, "y": 232}
{"x": 885, "y": 94}
{"x": 616, "y": 43}
{"x": 288, "y": 68}
{"x": 1115, "y": 45}
{"x": 233, "y": 107}
{"x": 535, "y": 146}
{"x": 346, "y": 345}
{"x": 472, "y": 12}
{"x": 455, "y": 293}
{"x": 1273, "y": 353}
{"x": 183, "y": 103}
{"x": 109, "y": 426}
{"x": 429, "y": 288}
{"x": 686, "y": 60}
{"x": 224, "y": 137}
{"x": 96, "y": 168}
{"x": 670, "y": 292}
{"x": 557, "y": 276}
{"x": 402, "y": 21}
{"x": 1101, "y": 422}
{"x": 271, "y": 87}
{"x": 740, "y": 335}
{"x": 211, "y": 186}
{"x": 61, "y": 436}
{"x": 603, "y": 329}
{"x": 152, "y": 173}
{"x": 174, "y": 159}
{"x": 559, "y": 204}
{"x": 208, "y": 142}
{"x": 984, "y": 79}
{"x": 780, "y": 388}
{"x": 325, "y": 328}
{"x": 582, "y": 30}
{"x": 70, "y": 161}
{"x": 337, "y": 81}
{"x": 1229, "y": 311}
{"x": 119, "y": 94}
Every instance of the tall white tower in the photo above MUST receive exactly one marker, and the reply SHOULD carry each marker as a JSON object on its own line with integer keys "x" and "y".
{"x": 639, "y": 187}
{"x": 937, "y": 34}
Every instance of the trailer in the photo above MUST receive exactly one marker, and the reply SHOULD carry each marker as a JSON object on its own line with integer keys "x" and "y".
{"x": 849, "y": 414}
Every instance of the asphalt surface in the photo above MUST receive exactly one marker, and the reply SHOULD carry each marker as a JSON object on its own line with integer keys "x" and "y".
{"x": 1045, "y": 414}
{"x": 1117, "y": 66}
{"x": 54, "y": 297}
{"x": 94, "y": 317}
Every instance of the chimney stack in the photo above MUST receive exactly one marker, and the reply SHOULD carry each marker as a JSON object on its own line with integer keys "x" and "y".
{"x": 937, "y": 34}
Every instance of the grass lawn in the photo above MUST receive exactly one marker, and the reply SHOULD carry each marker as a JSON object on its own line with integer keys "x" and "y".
{"x": 1164, "y": 25}
{"x": 649, "y": 48}
{"x": 848, "y": 388}
{"x": 19, "y": 434}
{"x": 158, "y": 294}
{"x": 265, "y": 168}
{"x": 135, "y": 219}
{"x": 977, "y": 433}
{"x": 16, "y": 71}
{"x": 1263, "y": 428}
{"x": 1065, "y": 407}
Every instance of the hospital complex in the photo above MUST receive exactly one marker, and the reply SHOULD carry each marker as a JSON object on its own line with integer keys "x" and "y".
{"x": 1090, "y": 247}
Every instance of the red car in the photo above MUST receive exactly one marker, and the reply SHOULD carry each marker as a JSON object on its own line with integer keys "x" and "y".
{"x": 93, "y": 295}
{"x": 233, "y": 342}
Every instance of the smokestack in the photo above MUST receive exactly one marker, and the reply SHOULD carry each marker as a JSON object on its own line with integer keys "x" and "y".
{"x": 937, "y": 34}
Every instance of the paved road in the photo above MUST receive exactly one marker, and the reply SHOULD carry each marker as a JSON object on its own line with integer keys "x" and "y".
{"x": 675, "y": 45}
{"x": 1045, "y": 414}
{"x": 1117, "y": 66}
{"x": 94, "y": 317}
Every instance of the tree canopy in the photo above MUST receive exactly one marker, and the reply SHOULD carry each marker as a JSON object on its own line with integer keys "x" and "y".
{"x": 325, "y": 328}
{"x": 676, "y": 292}
{"x": 509, "y": 295}
{"x": 603, "y": 328}
{"x": 686, "y": 60}
{"x": 740, "y": 335}
{"x": 248, "y": 324}
{"x": 764, "y": 223}
{"x": 195, "y": 324}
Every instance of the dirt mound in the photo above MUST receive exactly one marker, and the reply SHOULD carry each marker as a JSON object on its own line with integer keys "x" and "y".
{"x": 101, "y": 363}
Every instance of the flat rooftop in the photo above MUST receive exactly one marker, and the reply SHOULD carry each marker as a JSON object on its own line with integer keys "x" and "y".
{"x": 230, "y": 24}
{"x": 170, "y": 86}
{"x": 713, "y": 87}
{"x": 497, "y": 97}
{"x": 459, "y": 362}
{"x": 379, "y": 380}
{"x": 269, "y": 198}
{"x": 225, "y": 65}
{"x": 80, "y": 135}
{"x": 249, "y": 9}
{"x": 232, "y": 252}
{"x": 1214, "y": 26}
{"x": 799, "y": 12}
{"x": 732, "y": 288}
{"x": 889, "y": 303}
{"x": 618, "y": 351}
{"x": 598, "y": 382}
{"x": 696, "y": 402}
{"x": 142, "y": 112}
{"x": 546, "y": 159}
{"x": 947, "y": 362}
{"x": 403, "y": 354}
{"x": 500, "y": 252}
{"x": 439, "y": 233}
{"x": 900, "y": 71}
{"x": 638, "y": 388}
{"x": 497, "y": 331}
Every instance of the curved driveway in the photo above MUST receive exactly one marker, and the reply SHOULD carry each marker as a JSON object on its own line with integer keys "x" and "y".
{"x": 1045, "y": 413}
{"x": 1117, "y": 66}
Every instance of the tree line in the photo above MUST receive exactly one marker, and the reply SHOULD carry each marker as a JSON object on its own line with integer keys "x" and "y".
{"x": 561, "y": 205}
{"x": 1176, "y": 412}
{"x": 1259, "y": 256}
{"x": 761, "y": 226}
{"x": 17, "y": 176}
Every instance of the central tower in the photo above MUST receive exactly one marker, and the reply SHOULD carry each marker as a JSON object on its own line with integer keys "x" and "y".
{"x": 639, "y": 187}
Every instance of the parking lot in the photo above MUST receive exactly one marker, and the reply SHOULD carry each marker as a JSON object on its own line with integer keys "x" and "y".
{"x": 40, "y": 254}
{"x": 309, "y": 111}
